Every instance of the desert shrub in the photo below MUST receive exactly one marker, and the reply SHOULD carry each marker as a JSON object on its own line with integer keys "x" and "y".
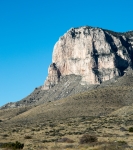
{"x": 69, "y": 146}
{"x": 119, "y": 145}
{"x": 13, "y": 146}
{"x": 69, "y": 133}
{"x": 122, "y": 142}
{"x": 28, "y": 137}
{"x": 55, "y": 147}
{"x": 52, "y": 125}
{"x": 5, "y": 135}
{"x": 50, "y": 140}
{"x": 33, "y": 129}
{"x": 44, "y": 141}
{"x": 86, "y": 138}
{"x": 131, "y": 129}
{"x": 65, "y": 140}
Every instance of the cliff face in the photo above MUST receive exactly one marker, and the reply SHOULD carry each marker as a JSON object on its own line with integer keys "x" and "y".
{"x": 82, "y": 59}
{"x": 95, "y": 54}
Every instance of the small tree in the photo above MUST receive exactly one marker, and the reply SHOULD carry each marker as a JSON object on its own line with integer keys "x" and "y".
{"x": 87, "y": 139}
{"x": 131, "y": 129}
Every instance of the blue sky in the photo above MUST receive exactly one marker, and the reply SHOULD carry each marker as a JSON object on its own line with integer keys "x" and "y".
{"x": 30, "y": 28}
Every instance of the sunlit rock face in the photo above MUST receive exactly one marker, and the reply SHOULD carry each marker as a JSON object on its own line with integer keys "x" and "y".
{"x": 95, "y": 54}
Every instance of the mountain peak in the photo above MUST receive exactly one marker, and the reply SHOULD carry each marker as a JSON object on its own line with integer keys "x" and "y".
{"x": 96, "y": 54}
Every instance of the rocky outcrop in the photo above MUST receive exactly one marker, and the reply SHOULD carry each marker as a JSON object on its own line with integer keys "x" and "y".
{"x": 95, "y": 54}
{"x": 83, "y": 58}
{"x": 53, "y": 77}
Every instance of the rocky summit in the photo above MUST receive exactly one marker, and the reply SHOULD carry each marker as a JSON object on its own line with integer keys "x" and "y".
{"x": 83, "y": 59}
{"x": 95, "y": 54}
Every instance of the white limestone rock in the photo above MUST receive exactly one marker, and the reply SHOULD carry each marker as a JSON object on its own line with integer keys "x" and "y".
{"x": 95, "y": 54}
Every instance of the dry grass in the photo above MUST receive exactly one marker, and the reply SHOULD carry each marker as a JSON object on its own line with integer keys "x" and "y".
{"x": 52, "y": 134}
{"x": 98, "y": 112}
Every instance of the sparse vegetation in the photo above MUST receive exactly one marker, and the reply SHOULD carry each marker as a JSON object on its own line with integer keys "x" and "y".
{"x": 122, "y": 142}
{"x": 131, "y": 129}
{"x": 66, "y": 140}
{"x": 13, "y": 146}
{"x": 28, "y": 137}
{"x": 61, "y": 124}
{"x": 87, "y": 139}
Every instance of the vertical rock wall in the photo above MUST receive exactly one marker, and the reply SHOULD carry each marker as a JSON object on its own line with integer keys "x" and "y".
{"x": 95, "y": 54}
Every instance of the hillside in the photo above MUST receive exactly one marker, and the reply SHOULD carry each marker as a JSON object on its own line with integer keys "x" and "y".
{"x": 98, "y": 111}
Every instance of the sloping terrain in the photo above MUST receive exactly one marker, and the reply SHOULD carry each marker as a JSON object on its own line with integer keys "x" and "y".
{"x": 105, "y": 112}
{"x": 67, "y": 86}
{"x": 101, "y": 100}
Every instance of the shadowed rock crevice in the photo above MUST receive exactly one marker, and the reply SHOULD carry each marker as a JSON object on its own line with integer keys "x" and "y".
{"x": 127, "y": 46}
{"x": 110, "y": 41}
{"x": 120, "y": 63}
{"x": 95, "y": 57}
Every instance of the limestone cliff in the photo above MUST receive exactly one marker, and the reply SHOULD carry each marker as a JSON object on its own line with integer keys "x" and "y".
{"x": 82, "y": 59}
{"x": 95, "y": 54}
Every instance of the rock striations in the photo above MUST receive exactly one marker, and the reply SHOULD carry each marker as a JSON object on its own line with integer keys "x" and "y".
{"x": 95, "y": 54}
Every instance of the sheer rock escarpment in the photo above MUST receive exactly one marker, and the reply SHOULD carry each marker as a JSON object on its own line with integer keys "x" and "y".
{"x": 95, "y": 54}
{"x": 83, "y": 58}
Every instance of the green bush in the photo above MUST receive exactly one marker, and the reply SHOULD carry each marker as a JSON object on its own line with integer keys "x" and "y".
{"x": 13, "y": 146}
{"x": 28, "y": 137}
{"x": 122, "y": 142}
{"x": 131, "y": 129}
{"x": 87, "y": 139}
